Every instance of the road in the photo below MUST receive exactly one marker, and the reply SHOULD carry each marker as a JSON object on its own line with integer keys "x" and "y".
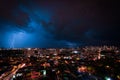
{"x": 9, "y": 75}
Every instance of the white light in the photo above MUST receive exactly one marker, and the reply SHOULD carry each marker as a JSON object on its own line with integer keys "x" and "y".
{"x": 19, "y": 74}
{"x": 75, "y": 52}
{"x": 23, "y": 65}
{"x": 44, "y": 72}
{"x": 29, "y": 48}
{"x": 107, "y": 78}
{"x": 13, "y": 76}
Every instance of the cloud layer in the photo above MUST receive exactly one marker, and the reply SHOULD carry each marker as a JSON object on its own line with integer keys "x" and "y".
{"x": 58, "y": 23}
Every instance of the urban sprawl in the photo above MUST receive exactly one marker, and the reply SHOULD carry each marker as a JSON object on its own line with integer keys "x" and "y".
{"x": 86, "y": 63}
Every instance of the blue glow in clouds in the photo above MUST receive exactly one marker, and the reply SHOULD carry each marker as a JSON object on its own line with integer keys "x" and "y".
{"x": 32, "y": 29}
{"x": 18, "y": 39}
{"x": 24, "y": 38}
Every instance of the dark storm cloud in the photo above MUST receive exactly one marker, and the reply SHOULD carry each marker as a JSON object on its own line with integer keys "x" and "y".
{"x": 61, "y": 22}
{"x": 74, "y": 20}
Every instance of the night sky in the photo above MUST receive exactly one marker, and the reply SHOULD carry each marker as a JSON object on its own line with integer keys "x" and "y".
{"x": 58, "y": 23}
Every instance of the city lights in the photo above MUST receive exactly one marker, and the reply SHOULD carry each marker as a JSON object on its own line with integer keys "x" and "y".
{"x": 38, "y": 63}
{"x": 108, "y": 78}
